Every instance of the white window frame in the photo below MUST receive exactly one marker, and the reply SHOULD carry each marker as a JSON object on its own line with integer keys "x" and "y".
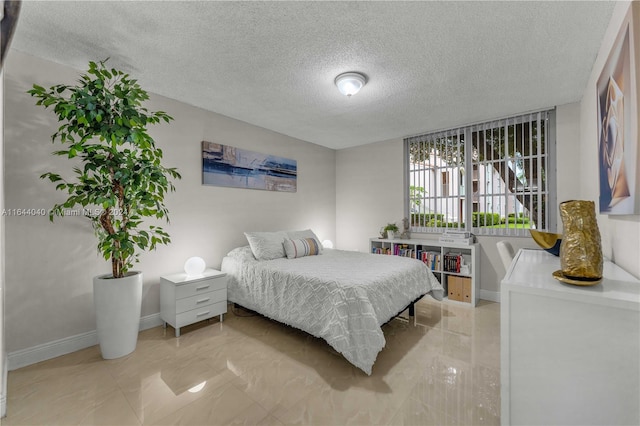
{"x": 495, "y": 195}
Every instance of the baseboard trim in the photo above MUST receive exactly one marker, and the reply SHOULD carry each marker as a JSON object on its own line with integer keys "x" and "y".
{"x": 150, "y": 321}
{"x": 56, "y": 348}
{"x": 3, "y": 406}
{"x": 3, "y": 388}
{"x": 493, "y": 296}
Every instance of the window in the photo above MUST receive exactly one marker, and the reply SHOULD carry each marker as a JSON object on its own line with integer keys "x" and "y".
{"x": 495, "y": 178}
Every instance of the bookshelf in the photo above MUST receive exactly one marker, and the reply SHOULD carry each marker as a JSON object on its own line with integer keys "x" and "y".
{"x": 456, "y": 266}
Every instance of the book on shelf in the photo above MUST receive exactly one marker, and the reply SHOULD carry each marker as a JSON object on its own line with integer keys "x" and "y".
{"x": 432, "y": 260}
{"x": 380, "y": 250}
{"x": 457, "y": 234}
{"x": 462, "y": 241}
{"x": 404, "y": 250}
{"x": 457, "y": 237}
{"x": 452, "y": 262}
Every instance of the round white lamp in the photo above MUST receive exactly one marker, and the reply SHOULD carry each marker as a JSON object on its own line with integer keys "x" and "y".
{"x": 327, "y": 244}
{"x": 194, "y": 266}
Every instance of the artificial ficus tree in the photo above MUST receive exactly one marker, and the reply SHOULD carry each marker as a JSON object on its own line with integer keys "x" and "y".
{"x": 120, "y": 179}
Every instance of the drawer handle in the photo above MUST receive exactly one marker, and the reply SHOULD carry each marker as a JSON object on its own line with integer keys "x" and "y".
{"x": 203, "y": 300}
{"x": 202, "y": 287}
{"x": 202, "y": 313}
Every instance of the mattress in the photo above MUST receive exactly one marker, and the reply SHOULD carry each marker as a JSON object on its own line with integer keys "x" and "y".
{"x": 343, "y": 297}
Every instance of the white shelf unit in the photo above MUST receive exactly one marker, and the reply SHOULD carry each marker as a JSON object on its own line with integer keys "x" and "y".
{"x": 462, "y": 287}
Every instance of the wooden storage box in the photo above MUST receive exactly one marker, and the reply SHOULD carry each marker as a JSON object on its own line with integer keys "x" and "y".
{"x": 459, "y": 288}
{"x": 453, "y": 288}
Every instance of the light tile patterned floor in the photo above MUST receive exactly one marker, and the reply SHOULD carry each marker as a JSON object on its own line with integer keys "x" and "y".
{"x": 442, "y": 369}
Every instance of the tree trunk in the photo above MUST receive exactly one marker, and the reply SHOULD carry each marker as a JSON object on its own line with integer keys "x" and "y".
{"x": 511, "y": 181}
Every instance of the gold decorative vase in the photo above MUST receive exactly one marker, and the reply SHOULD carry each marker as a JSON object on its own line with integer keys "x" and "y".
{"x": 580, "y": 250}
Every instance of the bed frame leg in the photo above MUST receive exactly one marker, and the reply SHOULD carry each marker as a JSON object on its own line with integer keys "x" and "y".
{"x": 412, "y": 310}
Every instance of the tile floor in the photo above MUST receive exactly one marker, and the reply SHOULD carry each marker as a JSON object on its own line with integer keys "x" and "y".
{"x": 442, "y": 369}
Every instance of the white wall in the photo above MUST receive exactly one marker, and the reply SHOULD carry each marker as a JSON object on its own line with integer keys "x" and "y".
{"x": 620, "y": 234}
{"x": 49, "y": 266}
{"x": 370, "y": 193}
{"x": 568, "y": 168}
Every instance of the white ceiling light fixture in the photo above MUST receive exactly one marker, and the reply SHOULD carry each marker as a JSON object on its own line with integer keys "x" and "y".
{"x": 350, "y": 83}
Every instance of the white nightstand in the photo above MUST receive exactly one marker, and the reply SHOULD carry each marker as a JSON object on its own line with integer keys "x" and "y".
{"x": 187, "y": 299}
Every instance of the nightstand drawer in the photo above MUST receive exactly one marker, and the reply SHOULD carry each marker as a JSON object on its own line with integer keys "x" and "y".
{"x": 201, "y": 314}
{"x": 200, "y": 300}
{"x": 200, "y": 287}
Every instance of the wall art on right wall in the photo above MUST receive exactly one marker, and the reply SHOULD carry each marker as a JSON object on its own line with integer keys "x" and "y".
{"x": 617, "y": 90}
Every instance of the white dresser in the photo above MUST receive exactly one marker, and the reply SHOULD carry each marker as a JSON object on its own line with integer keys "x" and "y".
{"x": 185, "y": 299}
{"x": 570, "y": 355}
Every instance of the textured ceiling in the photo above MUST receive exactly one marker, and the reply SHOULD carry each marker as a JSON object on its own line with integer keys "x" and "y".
{"x": 430, "y": 65}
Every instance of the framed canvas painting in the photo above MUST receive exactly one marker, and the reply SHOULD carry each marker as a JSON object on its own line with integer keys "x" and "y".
{"x": 224, "y": 165}
{"x": 617, "y": 104}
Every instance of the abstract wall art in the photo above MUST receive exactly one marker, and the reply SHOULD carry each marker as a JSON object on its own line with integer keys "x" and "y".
{"x": 617, "y": 103}
{"x": 224, "y": 165}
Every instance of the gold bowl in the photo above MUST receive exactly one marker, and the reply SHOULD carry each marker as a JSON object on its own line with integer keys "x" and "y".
{"x": 549, "y": 241}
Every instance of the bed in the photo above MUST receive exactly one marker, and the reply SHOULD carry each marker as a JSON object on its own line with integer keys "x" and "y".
{"x": 343, "y": 297}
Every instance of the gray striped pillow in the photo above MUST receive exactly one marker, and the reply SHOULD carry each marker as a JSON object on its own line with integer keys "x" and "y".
{"x": 301, "y": 247}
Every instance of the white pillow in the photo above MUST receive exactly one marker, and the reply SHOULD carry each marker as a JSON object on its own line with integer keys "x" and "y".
{"x": 301, "y": 247}
{"x": 244, "y": 253}
{"x": 307, "y": 233}
{"x": 266, "y": 245}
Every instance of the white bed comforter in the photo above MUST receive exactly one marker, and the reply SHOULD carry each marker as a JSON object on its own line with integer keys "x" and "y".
{"x": 342, "y": 297}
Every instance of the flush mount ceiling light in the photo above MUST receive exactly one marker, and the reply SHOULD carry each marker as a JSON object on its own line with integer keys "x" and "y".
{"x": 350, "y": 83}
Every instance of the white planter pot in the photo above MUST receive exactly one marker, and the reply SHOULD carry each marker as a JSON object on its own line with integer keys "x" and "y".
{"x": 391, "y": 235}
{"x": 117, "y": 303}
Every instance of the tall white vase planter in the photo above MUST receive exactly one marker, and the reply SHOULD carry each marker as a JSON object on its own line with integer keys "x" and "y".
{"x": 117, "y": 302}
